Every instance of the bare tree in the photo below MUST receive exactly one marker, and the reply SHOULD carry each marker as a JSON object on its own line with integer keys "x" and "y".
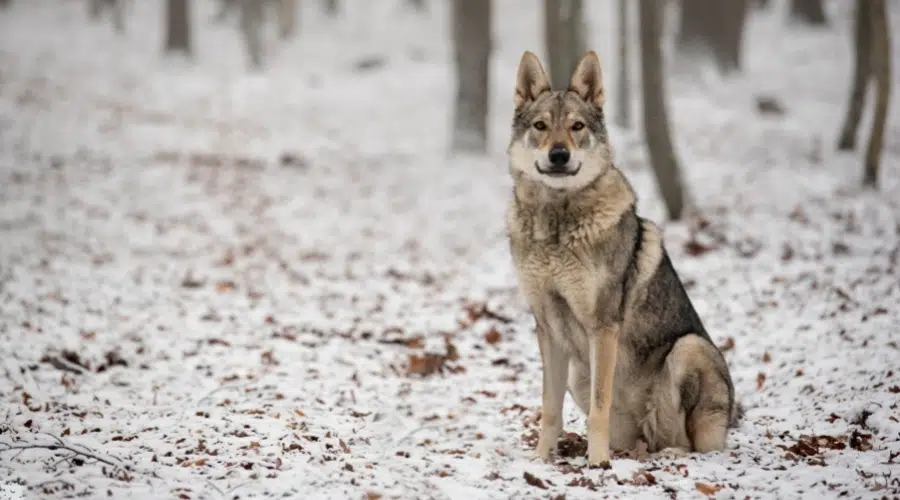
{"x": 563, "y": 38}
{"x": 862, "y": 71}
{"x": 656, "y": 120}
{"x": 472, "y": 50}
{"x": 287, "y": 17}
{"x": 713, "y": 28}
{"x": 178, "y": 26}
{"x": 251, "y": 28}
{"x": 881, "y": 71}
{"x": 623, "y": 98}
{"x": 872, "y": 62}
{"x": 808, "y": 11}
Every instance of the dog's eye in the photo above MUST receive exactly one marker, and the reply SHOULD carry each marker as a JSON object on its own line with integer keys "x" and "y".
{"x": 539, "y": 125}
{"x": 577, "y": 126}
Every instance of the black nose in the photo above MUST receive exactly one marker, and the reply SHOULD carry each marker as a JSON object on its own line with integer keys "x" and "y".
{"x": 558, "y": 155}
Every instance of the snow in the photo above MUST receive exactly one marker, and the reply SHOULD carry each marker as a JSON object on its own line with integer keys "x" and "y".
{"x": 248, "y": 264}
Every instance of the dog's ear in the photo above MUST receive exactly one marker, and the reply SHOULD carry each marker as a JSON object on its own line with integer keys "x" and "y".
{"x": 531, "y": 80}
{"x": 587, "y": 80}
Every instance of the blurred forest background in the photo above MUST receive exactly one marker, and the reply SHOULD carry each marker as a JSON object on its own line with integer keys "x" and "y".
{"x": 258, "y": 246}
{"x": 704, "y": 33}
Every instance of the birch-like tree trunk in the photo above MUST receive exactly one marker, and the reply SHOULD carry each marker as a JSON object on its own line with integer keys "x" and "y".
{"x": 472, "y": 52}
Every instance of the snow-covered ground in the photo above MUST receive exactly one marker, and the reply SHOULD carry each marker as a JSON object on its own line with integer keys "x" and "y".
{"x": 217, "y": 284}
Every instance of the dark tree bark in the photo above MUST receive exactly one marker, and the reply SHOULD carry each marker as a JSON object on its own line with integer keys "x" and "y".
{"x": 623, "y": 99}
{"x": 808, "y": 11}
{"x": 713, "y": 29}
{"x": 656, "y": 120}
{"x": 862, "y": 36}
{"x": 178, "y": 26}
{"x": 564, "y": 39}
{"x": 881, "y": 71}
{"x": 472, "y": 50}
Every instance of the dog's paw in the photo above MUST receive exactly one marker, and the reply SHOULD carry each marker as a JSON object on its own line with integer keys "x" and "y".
{"x": 598, "y": 456}
{"x": 672, "y": 452}
{"x": 543, "y": 450}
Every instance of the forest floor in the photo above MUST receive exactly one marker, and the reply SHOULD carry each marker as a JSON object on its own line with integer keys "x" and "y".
{"x": 219, "y": 284}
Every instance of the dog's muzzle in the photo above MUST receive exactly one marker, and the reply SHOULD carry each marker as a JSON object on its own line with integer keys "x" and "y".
{"x": 553, "y": 170}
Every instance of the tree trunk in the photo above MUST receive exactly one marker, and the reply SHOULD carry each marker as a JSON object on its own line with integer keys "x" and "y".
{"x": 118, "y": 14}
{"x": 808, "y": 11}
{"x": 95, "y": 8}
{"x": 287, "y": 18}
{"x": 731, "y": 35}
{"x": 564, "y": 39}
{"x": 472, "y": 50}
{"x": 656, "y": 120}
{"x": 881, "y": 71}
{"x": 225, "y": 6}
{"x": 697, "y": 27}
{"x": 178, "y": 26}
{"x": 862, "y": 36}
{"x": 623, "y": 99}
{"x": 251, "y": 28}
{"x": 331, "y": 7}
{"x": 713, "y": 29}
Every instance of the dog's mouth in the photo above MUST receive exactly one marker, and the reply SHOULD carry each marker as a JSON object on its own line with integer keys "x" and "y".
{"x": 553, "y": 171}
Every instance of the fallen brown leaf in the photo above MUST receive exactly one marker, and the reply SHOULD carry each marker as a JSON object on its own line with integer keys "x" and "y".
{"x": 492, "y": 336}
{"x": 707, "y": 489}
{"x": 534, "y": 481}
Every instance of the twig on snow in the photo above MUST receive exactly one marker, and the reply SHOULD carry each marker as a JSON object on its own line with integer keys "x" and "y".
{"x": 60, "y": 446}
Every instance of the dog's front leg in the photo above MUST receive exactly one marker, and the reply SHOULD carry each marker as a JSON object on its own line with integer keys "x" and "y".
{"x": 603, "y": 347}
{"x": 555, "y": 371}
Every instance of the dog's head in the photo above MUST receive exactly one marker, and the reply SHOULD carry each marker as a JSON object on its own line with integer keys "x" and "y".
{"x": 559, "y": 137}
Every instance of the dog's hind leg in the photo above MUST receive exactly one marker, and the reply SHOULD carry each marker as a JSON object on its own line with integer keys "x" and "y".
{"x": 691, "y": 406}
{"x": 705, "y": 392}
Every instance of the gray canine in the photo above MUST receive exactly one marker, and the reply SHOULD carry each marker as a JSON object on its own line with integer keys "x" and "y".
{"x": 614, "y": 323}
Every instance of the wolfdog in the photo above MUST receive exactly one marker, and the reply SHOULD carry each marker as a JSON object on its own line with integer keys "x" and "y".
{"x": 614, "y": 323}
